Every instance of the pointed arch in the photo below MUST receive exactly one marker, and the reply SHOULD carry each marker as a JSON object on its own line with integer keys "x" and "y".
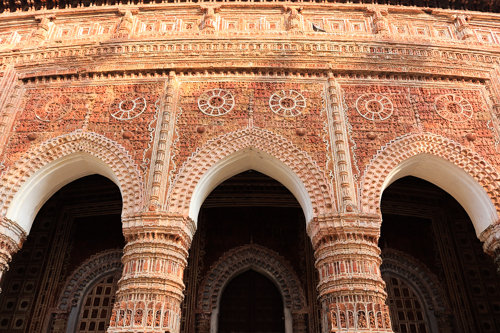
{"x": 43, "y": 170}
{"x": 445, "y": 163}
{"x": 254, "y": 148}
{"x": 240, "y": 260}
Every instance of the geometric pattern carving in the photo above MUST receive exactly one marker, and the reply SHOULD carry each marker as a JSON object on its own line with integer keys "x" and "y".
{"x": 277, "y": 146}
{"x": 216, "y": 102}
{"x": 405, "y": 147}
{"x": 242, "y": 258}
{"x": 374, "y": 106}
{"x": 92, "y": 269}
{"x": 53, "y": 107}
{"x": 396, "y": 263}
{"x": 128, "y": 107}
{"x": 107, "y": 150}
{"x": 287, "y": 103}
{"x": 453, "y": 108}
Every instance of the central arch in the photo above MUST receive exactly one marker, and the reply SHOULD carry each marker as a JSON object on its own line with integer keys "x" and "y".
{"x": 264, "y": 151}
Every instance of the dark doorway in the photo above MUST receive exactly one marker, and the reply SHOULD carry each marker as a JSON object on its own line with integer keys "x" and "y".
{"x": 251, "y": 303}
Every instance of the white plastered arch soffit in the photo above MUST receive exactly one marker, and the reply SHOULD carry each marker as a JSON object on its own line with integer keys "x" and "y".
{"x": 256, "y": 149}
{"x": 57, "y": 162}
{"x": 456, "y": 169}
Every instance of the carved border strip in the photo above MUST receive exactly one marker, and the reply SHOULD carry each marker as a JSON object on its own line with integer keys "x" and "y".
{"x": 244, "y": 257}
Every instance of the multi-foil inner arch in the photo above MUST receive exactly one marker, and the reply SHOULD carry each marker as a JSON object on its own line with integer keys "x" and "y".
{"x": 445, "y": 163}
{"x": 43, "y": 170}
{"x": 258, "y": 149}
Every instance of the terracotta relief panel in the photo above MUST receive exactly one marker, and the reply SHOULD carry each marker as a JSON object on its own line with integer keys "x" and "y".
{"x": 379, "y": 114}
{"x": 126, "y": 114}
{"x": 293, "y": 110}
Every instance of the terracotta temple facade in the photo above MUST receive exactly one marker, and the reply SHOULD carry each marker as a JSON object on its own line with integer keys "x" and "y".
{"x": 249, "y": 166}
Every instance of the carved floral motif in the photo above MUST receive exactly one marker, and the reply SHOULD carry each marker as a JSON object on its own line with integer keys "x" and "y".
{"x": 453, "y": 108}
{"x": 216, "y": 102}
{"x": 374, "y": 106}
{"x": 287, "y": 103}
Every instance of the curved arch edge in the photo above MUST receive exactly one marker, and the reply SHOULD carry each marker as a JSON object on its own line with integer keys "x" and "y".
{"x": 31, "y": 181}
{"x": 239, "y": 151}
{"x": 456, "y": 169}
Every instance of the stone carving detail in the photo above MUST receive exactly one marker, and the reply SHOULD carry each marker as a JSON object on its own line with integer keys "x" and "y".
{"x": 222, "y": 146}
{"x": 53, "y": 107}
{"x": 491, "y": 238}
{"x": 128, "y": 107}
{"x": 396, "y": 262}
{"x": 245, "y": 257}
{"x": 216, "y": 102}
{"x": 287, "y": 103}
{"x": 405, "y": 147}
{"x": 453, "y": 107}
{"x": 101, "y": 263}
{"x": 374, "y": 106}
{"x": 110, "y": 152}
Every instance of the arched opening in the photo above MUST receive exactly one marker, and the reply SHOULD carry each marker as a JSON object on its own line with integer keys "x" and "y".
{"x": 243, "y": 160}
{"x": 251, "y": 303}
{"x": 250, "y": 222}
{"x": 46, "y": 181}
{"x": 437, "y": 260}
{"x": 74, "y": 226}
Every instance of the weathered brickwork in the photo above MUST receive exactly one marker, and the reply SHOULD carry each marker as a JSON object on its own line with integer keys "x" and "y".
{"x": 254, "y": 104}
{"x": 125, "y": 114}
{"x": 332, "y": 98}
{"x": 379, "y": 114}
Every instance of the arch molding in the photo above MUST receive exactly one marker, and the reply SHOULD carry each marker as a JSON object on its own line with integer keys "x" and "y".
{"x": 277, "y": 150}
{"x": 25, "y": 179}
{"x": 456, "y": 169}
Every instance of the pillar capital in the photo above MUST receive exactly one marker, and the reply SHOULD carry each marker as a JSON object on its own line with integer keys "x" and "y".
{"x": 491, "y": 239}
{"x": 181, "y": 228}
{"x": 12, "y": 237}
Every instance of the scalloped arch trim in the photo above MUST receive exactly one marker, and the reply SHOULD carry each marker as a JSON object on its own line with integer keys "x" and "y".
{"x": 82, "y": 277}
{"x": 454, "y": 168}
{"x": 241, "y": 259}
{"x": 399, "y": 263}
{"x": 243, "y": 150}
{"x": 46, "y": 168}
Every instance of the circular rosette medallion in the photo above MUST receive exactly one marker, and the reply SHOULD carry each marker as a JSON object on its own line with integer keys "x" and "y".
{"x": 287, "y": 103}
{"x": 216, "y": 102}
{"x": 374, "y": 106}
{"x": 53, "y": 107}
{"x": 127, "y": 107}
{"x": 453, "y": 108}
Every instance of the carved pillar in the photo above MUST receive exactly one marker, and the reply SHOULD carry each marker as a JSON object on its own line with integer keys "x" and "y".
{"x": 42, "y": 31}
{"x": 210, "y": 19}
{"x": 12, "y": 237}
{"x": 150, "y": 290}
{"x": 203, "y": 322}
{"x": 379, "y": 20}
{"x": 463, "y": 26}
{"x": 491, "y": 238}
{"x": 294, "y": 19}
{"x": 351, "y": 289}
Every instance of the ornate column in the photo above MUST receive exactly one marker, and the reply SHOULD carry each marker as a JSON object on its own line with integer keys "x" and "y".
{"x": 150, "y": 290}
{"x": 351, "y": 289}
{"x": 12, "y": 237}
{"x": 491, "y": 239}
